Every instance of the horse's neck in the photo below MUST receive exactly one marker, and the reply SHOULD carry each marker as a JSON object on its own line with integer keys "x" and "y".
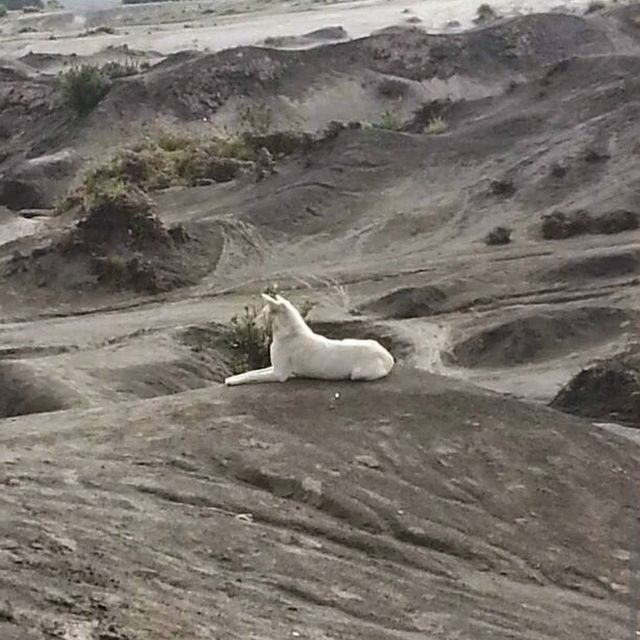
{"x": 295, "y": 326}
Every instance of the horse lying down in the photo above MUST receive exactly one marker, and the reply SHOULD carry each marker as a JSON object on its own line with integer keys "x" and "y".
{"x": 297, "y": 352}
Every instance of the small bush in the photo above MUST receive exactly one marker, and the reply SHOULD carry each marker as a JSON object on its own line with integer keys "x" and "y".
{"x": 498, "y": 236}
{"x": 115, "y": 70}
{"x": 392, "y": 88}
{"x": 485, "y": 13}
{"x": 436, "y": 126}
{"x": 390, "y": 120}
{"x": 502, "y": 188}
{"x": 83, "y": 88}
{"x": 113, "y": 270}
{"x": 250, "y": 339}
{"x": 596, "y": 5}
{"x": 275, "y": 41}
{"x": 256, "y": 119}
{"x": 98, "y": 31}
{"x": 172, "y": 158}
{"x": 3, "y": 11}
{"x": 559, "y": 225}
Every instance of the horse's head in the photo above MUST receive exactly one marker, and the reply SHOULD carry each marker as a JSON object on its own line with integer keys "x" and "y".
{"x": 281, "y": 316}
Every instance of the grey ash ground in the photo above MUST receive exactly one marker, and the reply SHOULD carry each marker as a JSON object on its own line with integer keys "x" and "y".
{"x": 457, "y": 499}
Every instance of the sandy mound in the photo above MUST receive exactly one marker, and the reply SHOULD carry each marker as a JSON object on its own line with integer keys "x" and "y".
{"x": 613, "y": 265}
{"x": 272, "y": 522}
{"x": 539, "y": 336}
{"x": 607, "y": 389}
{"x": 24, "y": 391}
{"x": 408, "y": 302}
{"x": 120, "y": 244}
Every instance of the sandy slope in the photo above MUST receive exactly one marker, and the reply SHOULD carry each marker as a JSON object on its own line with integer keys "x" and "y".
{"x": 143, "y": 500}
{"x": 402, "y": 508}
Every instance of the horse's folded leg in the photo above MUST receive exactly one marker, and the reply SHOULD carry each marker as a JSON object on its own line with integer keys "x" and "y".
{"x": 254, "y": 377}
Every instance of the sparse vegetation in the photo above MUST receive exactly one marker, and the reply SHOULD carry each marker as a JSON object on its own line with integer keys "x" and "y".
{"x": 174, "y": 158}
{"x": 596, "y": 5}
{"x": 485, "y": 13}
{"x": 392, "y": 88}
{"x": 83, "y": 87}
{"x": 559, "y": 225}
{"x": 256, "y": 118}
{"x": 3, "y": 11}
{"x": 275, "y": 41}
{"x": 249, "y": 338}
{"x": 502, "y": 188}
{"x": 435, "y": 126}
{"x": 97, "y": 31}
{"x": 115, "y": 70}
{"x": 390, "y": 119}
{"x": 114, "y": 270}
{"x": 498, "y": 236}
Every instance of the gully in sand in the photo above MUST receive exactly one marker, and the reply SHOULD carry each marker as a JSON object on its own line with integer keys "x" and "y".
{"x": 298, "y": 352}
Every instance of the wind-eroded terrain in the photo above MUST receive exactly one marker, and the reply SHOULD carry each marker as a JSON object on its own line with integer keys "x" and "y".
{"x": 470, "y": 199}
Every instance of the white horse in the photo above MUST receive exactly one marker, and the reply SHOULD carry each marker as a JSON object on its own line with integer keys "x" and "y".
{"x": 298, "y": 352}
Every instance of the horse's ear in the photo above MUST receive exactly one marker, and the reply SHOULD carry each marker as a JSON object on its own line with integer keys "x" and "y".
{"x": 272, "y": 302}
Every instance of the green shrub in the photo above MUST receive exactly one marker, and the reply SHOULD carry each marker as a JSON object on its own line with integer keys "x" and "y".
{"x": 115, "y": 70}
{"x": 389, "y": 120}
{"x": 250, "y": 339}
{"x": 83, "y": 87}
{"x": 436, "y": 126}
{"x": 3, "y": 11}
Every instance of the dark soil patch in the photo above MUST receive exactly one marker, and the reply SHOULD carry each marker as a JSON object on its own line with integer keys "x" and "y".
{"x": 23, "y": 392}
{"x": 608, "y": 389}
{"x": 21, "y": 194}
{"x": 560, "y": 225}
{"x": 408, "y": 302}
{"x": 539, "y": 336}
{"x": 613, "y": 265}
{"x": 498, "y": 236}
